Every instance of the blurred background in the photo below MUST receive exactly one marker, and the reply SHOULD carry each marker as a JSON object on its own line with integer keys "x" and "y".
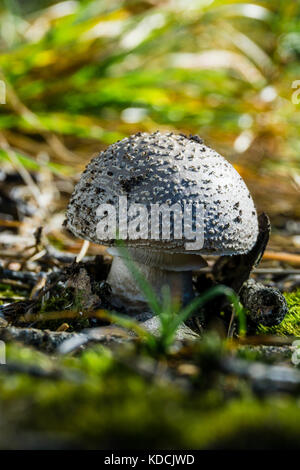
{"x": 79, "y": 74}
{"x": 75, "y": 76}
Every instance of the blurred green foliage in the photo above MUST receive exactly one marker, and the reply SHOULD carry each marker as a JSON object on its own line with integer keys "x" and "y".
{"x": 95, "y": 71}
{"x": 101, "y": 403}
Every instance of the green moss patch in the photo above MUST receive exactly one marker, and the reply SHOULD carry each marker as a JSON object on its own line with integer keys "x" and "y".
{"x": 290, "y": 326}
{"x": 110, "y": 405}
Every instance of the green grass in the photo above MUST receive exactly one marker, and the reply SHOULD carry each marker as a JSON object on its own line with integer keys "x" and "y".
{"x": 32, "y": 165}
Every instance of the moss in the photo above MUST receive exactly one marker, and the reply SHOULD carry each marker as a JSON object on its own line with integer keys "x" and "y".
{"x": 290, "y": 326}
{"x": 265, "y": 353}
{"x": 249, "y": 353}
{"x": 113, "y": 407}
{"x": 63, "y": 298}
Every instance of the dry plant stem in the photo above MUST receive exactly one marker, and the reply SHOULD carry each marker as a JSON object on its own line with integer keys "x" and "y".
{"x": 282, "y": 256}
{"x": 27, "y": 276}
{"x": 63, "y": 327}
{"x": 69, "y": 314}
{"x": 275, "y": 271}
{"x": 60, "y": 315}
{"x": 40, "y": 284}
{"x": 11, "y": 282}
{"x": 231, "y": 326}
{"x": 271, "y": 340}
{"x": 44, "y": 291}
{"x": 11, "y": 223}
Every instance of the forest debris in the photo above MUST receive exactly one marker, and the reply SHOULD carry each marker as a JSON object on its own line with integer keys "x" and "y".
{"x": 265, "y": 340}
{"x": 44, "y": 340}
{"x": 27, "y": 277}
{"x": 10, "y": 223}
{"x": 147, "y": 367}
{"x": 63, "y": 327}
{"x": 265, "y": 305}
{"x": 3, "y": 323}
{"x": 52, "y": 257}
{"x": 81, "y": 283}
{"x": 114, "y": 333}
{"x": 106, "y": 335}
{"x": 190, "y": 370}
{"x": 16, "y": 284}
{"x": 73, "y": 344}
{"x": 61, "y": 315}
{"x": 13, "y": 311}
{"x": 265, "y": 378}
{"x": 153, "y": 326}
{"x": 276, "y": 353}
{"x": 40, "y": 284}
{"x": 70, "y": 375}
{"x": 77, "y": 287}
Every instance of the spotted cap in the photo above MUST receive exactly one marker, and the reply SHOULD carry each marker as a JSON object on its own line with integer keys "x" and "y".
{"x": 167, "y": 169}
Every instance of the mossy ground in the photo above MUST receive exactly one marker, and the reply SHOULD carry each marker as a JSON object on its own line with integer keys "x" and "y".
{"x": 106, "y": 404}
{"x": 95, "y": 400}
{"x": 291, "y": 324}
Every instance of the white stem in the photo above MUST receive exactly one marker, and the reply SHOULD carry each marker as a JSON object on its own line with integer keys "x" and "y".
{"x": 126, "y": 292}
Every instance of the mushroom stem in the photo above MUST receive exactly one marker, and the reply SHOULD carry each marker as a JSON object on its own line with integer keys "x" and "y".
{"x": 126, "y": 291}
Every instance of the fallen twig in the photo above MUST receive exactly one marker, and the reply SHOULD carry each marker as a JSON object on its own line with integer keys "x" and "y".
{"x": 21, "y": 276}
{"x": 282, "y": 256}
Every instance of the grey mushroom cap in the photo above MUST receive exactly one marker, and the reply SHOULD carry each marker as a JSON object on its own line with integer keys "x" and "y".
{"x": 167, "y": 169}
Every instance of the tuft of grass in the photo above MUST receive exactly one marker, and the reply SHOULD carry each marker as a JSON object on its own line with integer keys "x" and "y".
{"x": 171, "y": 316}
{"x": 290, "y": 326}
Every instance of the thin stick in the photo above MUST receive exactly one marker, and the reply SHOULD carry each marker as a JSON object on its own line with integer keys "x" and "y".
{"x": 231, "y": 325}
{"x": 282, "y": 256}
{"x": 275, "y": 271}
{"x": 11, "y": 223}
{"x": 261, "y": 270}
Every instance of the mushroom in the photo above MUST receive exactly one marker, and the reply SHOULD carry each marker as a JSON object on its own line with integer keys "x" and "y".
{"x": 157, "y": 171}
